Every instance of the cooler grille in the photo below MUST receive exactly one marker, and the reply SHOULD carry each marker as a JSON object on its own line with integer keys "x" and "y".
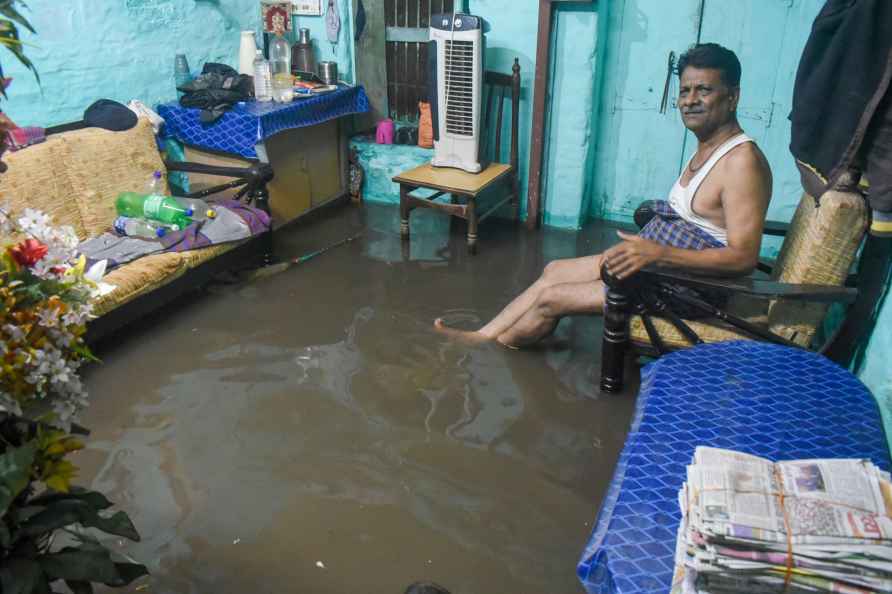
{"x": 459, "y": 73}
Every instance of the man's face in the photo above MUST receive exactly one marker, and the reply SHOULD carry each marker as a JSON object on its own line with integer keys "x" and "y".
{"x": 705, "y": 101}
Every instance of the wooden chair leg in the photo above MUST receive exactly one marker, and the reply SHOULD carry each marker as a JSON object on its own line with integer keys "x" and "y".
{"x": 404, "y": 212}
{"x": 472, "y": 225}
{"x": 615, "y": 341}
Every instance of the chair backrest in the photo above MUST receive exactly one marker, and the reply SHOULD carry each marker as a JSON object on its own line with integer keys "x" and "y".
{"x": 76, "y": 174}
{"x": 820, "y": 248}
{"x": 497, "y": 89}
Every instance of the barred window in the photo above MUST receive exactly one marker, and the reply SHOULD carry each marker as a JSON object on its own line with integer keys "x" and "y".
{"x": 407, "y": 24}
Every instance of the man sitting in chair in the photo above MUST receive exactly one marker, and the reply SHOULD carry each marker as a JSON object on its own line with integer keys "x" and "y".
{"x": 712, "y": 222}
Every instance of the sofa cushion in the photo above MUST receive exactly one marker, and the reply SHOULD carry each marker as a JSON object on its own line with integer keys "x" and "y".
{"x": 38, "y": 178}
{"x": 102, "y": 163}
{"x": 138, "y": 277}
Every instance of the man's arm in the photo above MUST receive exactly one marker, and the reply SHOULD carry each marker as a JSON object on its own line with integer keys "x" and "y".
{"x": 744, "y": 203}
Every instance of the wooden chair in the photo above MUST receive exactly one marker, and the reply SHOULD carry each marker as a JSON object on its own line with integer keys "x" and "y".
{"x": 465, "y": 188}
{"x": 812, "y": 271}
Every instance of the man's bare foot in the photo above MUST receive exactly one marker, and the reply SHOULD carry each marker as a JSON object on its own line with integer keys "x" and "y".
{"x": 469, "y": 336}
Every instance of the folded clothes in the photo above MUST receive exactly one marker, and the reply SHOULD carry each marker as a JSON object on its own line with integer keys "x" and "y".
{"x": 234, "y": 221}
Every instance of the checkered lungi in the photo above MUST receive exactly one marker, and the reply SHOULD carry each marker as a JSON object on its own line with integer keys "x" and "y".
{"x": 668, "y": 228}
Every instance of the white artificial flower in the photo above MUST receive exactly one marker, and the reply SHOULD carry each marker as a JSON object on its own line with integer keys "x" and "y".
{"x": 34, "y": 222}
{"x": 9, "y": 405}
{"x": 96, "y": 271}
{"x": 14, "y": 333}
{"x": 48, "y": 318}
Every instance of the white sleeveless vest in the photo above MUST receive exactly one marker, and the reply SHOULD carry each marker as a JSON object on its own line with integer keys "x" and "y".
{"x": 682, "y": 198}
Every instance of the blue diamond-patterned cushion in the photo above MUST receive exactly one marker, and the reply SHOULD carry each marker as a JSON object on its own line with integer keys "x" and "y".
{"x": 239, "y": 129}
{"x": 768, "y": 400}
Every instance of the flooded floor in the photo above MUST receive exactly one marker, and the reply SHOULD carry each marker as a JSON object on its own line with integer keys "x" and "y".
{"x": 309, "y": 432}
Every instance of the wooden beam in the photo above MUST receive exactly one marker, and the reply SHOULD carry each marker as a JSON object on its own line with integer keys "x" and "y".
{"x": 540, "y": 91}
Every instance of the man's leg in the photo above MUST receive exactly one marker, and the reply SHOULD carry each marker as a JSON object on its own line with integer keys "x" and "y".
{"x": 551, "y": 305}
{"x": 570, "y": 270}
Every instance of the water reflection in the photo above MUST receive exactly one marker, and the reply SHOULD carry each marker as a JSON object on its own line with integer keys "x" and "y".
{"x": 318, "y": 417}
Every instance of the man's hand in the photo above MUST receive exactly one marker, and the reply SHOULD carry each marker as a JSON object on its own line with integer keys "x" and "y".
{"x": 630, "y": 256}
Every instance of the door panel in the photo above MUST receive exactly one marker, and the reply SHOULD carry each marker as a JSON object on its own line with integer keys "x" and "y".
{"x": 640, "y": 148}
{"x": 768, "y": 37}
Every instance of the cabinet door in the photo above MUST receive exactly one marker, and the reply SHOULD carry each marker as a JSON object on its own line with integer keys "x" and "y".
{"x": 640, "y": 148}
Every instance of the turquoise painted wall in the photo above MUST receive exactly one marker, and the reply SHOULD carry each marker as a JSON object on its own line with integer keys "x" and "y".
{"x": 572, "y": 89}
{"x": 512, "y": 35}
{"x": 124, "y": 49}
{"x": 875, "y": 372}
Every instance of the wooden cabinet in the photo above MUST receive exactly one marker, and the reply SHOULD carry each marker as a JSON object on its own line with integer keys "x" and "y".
{"x": 310, "y": 167}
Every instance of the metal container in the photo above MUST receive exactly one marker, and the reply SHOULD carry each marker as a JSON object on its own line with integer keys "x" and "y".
{"x": 302, "y": 58}
{"x": 328, "y": 72}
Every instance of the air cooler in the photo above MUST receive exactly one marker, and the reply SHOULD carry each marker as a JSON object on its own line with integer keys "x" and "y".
{"x": 455, "y": 63}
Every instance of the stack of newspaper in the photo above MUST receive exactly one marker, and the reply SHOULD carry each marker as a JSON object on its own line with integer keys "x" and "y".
{"x": 755, "y": 526}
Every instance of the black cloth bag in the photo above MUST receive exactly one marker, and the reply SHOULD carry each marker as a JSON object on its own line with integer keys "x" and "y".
{"x": 216, "y": 90}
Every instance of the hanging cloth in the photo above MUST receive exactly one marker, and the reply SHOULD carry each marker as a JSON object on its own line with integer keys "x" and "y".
{"x": 359, "y": 20}
{"x": 332, "y": 21}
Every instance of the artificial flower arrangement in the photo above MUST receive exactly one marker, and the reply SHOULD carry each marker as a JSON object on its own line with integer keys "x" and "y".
{"x": 46, "y": 293}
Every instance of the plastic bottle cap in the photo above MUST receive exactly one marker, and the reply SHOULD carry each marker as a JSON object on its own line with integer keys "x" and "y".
{"x": 119, "y": 225}
{"x": 211, "y": 213}
{"x": 189, "y": 211}
{"x": 160, "y": 231}
{"x": 157, "y": 175}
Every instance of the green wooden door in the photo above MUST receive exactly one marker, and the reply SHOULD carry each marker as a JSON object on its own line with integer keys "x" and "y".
{"x": 640, "y": 151}
{"x": 768, "y": 37}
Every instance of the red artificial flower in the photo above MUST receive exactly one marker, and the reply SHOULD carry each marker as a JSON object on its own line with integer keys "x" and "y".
{"x": 28, "y": 253}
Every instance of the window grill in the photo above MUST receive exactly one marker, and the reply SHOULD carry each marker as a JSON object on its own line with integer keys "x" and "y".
{"x": 407, "y": 23}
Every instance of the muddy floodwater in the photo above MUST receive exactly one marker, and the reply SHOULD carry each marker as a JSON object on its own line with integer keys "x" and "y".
{"x": 309, "y": 432}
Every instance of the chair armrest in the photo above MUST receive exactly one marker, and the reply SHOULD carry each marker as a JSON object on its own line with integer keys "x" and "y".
{"x": 766, "y": 266}
{"x": 757, "y": 288}
{"x": 258, "y": 172}
{"x": 775, "y": 228}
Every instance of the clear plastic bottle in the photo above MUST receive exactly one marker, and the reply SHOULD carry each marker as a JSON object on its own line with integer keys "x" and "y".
{"x": 181, "y": 73}
{"x": 201, "y": 210}
{"x": 153, "y": 206}
{"x": 155, "y": 185}
{"x": 133, "y": 227}
{"x": 262, "y": 79}
{"x": 280, "y": 69}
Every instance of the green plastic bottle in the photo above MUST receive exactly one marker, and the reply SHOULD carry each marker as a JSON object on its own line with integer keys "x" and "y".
{"x": 154, "y": 206}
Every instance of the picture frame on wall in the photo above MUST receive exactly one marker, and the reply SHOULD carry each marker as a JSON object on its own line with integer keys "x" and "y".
{"x": 307, "y": 7}
{"x": 276, "y": 16}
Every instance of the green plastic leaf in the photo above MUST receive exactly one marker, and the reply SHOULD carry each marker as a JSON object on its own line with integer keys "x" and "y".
{"x": 79, "y": 587}
{"x": 19, "y": 576}
{"x": 95, "y": 500}
{"x": 77, "y": 565}
{"x": 15, "y": 471}
{"x": 66, "y": 512}
{"x": 9, "y": 37}
{"x": 129, "y": 572}
{"x": 7, "y": 9}
{"x": 90, "y": 565}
